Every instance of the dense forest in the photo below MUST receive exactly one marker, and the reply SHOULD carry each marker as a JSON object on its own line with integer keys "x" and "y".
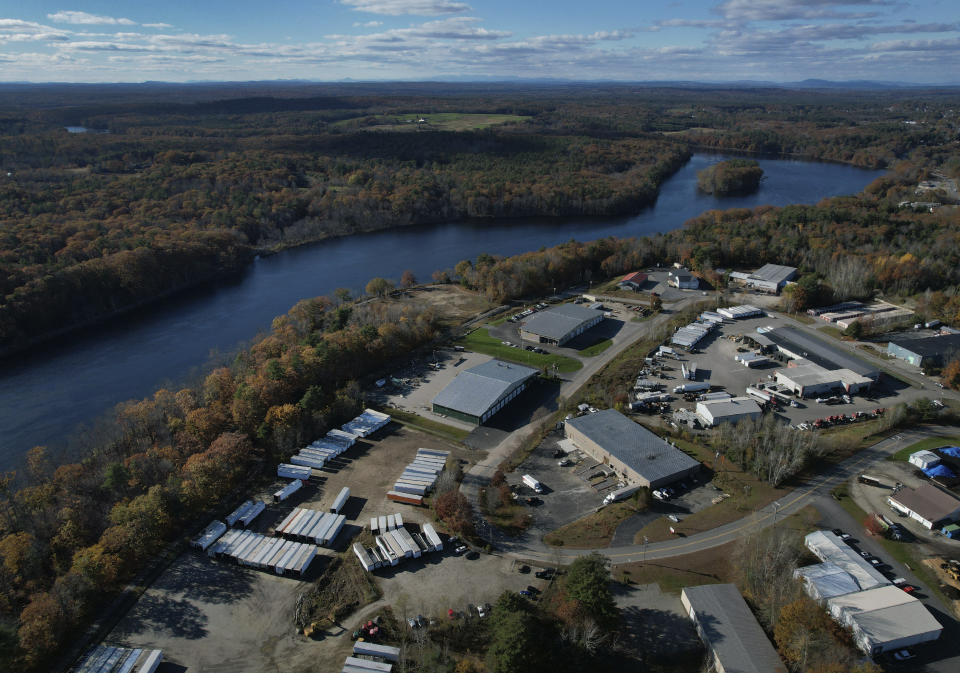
{"x": 737, "y": 176}
{"x": 158, "y": 196}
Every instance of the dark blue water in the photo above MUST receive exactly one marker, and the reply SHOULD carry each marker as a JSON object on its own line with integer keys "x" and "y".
{"x": 46, "y": 395}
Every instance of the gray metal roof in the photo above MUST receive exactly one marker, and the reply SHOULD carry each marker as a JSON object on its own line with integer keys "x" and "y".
{"x": 734, "y": 406}
{"x": 828, "y": 547}
{"x": 930, "y": 346}
{"x": 885, "y": 614}
{"x": 928, "y": 501}
{"x": 558, "y": 321}
{"x": 641, "y": 450}
{"x": 731, "y": 631}
{"x": 477, "y": 389}
{"x": 774, "y": 273}
{"x": 819, "y": 351}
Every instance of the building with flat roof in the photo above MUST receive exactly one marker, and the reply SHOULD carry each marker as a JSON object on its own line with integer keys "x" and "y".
{"x": 715, "y": 412}
{"x": 638, "y": 455}
{"x": 823, "y": 581}
{"x": 829, "y": 548}
{"x": 768, "y": 278}
{"x": 924, "y": 459}
{"x": 810, "y": 380}
{"x": 729, "y": 630}
{"x": 926, "y": 504}
{"x": 798, "y": 344}
{"x": 559, "y": 324}
{"x": 478, "y": 393}
{"x": 935, "y": 350}
{"x": 884, "y": 619}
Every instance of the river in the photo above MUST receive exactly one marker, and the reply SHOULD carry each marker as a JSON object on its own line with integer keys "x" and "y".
{"x": 49, "y": 393}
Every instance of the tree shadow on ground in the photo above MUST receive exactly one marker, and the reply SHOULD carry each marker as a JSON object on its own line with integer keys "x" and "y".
{"x": 206, "y": 580}
{"x": 657, "y": 633}
{"x": 177, "y": 618}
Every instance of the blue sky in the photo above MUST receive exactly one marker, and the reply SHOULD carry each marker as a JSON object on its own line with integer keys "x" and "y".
{"x": 704, "y": 40}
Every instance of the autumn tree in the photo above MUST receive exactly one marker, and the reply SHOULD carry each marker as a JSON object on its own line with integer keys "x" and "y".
{"x": 408, "y": 280}
{"x": 587, "y": 583}
{"x": 455, "y": 510}
{"x": 379, "y": 287}
{"x": 951, "y": 374}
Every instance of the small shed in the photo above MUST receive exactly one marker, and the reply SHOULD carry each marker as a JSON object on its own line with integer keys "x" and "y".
{"x": 924, "y": 459}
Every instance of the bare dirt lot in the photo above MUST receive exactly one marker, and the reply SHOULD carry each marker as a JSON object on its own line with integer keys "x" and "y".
{"x": 213, "y": 616}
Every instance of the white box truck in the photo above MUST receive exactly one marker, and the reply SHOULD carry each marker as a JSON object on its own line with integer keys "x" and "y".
{"x": 532, "y": 483}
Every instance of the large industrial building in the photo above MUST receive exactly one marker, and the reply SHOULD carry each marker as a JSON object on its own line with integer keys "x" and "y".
{"x": 799, "y": 345}
{"x": 768, "y": 278}
{"x": 638, "y": 455}
{"x": 884, "y": 619}
{"x": 729, "y": 630}
{"x": 715, "y": 412}
{"x": 833, "y": 551}
{"x": 559, "y": 324}
{"x": 935, "y": 350}
{"x": 807, "y": 379}
{"x": 478, "y": 393}
{"x": 926, "y": 504}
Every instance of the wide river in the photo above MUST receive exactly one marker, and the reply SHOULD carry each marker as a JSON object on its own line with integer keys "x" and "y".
{"x": 48, "y": 394}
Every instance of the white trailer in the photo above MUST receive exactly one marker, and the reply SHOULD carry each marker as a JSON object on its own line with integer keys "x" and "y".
{"x": 382, "y": 527}
{"x": 363, "y": 556}
{"x": 289, "y": 521}
{"x": 432, "y": 537}
{"x": 408, "y": 541}
{"x": 331, "y": 534}
{"x": 236, "y": 514}
{"x": 396, "y": 548}
{"x": 152, "y": 662}
{"x": 757, "y": 394}
{"x": 391, "y": 521}
{"x": 340, "y": 435}
{"x": 433, "y": 452}
{"x": 210, "y": 535}
{"x": 387, "y": 652}
{"x": 692, "y": 387}
{"x": 341, "y": 500}
{"x": 288, "y": 471}
{"x": 307, "y": 460}
{"x": 368, "y": 665}
{"x": 252, "y": 513}
{"x": 374, "y": 525}
{"x": 321, "y": 530}
{"x": 620, "y": 494}
{"x": 303, "y": 561}
{"x": 386, "y": 550}
{"x": 398, "y": 520}
{"x": 407, "y": 487}
{"x": 287, "y": 490}
{"x": 532, "y": 483}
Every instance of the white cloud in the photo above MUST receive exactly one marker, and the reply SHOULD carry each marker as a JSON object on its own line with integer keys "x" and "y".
{"x": 407, "y": 7}
{"x": 158, "y": 26}
{"x": 15, "y": 30}
{"x": 85, "y": 19}
{"x": 367, "y": 24}
{"x": 785, "y": 10}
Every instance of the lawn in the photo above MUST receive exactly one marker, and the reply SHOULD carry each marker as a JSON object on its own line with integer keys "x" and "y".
{"x": 928, "y": 444}
{"x": 594, "y": 530}
{"x": 747, "y": 493}
{"x": 427, "y": 425}
{"x": 480, "y": 341}
{"x": 597, "y": 348}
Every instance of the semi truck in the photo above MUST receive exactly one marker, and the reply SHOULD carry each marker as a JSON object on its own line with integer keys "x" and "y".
{"x": 533, "y": 483}
{"x": 620, "y": 494}
{"x": 693, "y": 387}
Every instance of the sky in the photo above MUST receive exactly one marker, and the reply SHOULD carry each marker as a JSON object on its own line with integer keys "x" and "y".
{"x": 914, "y": 41}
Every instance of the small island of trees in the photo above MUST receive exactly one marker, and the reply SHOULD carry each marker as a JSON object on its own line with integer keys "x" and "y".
{"x": 737, "y": 176}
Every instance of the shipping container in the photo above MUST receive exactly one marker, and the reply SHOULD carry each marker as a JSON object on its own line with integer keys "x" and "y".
{"x": 236, "y": 514}
{"x": 252, "y": 513}
{"x": 386, "y": 550}
{"x": 368, "y": 665}
{"x": 406, "y": 498}
{"x": 387, "y": 652}
{"x": 340, "y": 500}
{"x": 383, "y": 525}
{"x": 308, "y": 461}
{"x": 363, "y": 557}
{"x": 210, "y": 535}
{"x": 432, "y": 537}
{"x": 331, "y": 535}
{"x": 288, "y": 471}
{"x": 152, "y": 662}
{"x": 287, "y": 490}
{"x": 374, "y": 525}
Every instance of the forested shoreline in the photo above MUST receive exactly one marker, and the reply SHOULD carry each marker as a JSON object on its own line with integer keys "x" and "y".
{"x": 173, "y": 194}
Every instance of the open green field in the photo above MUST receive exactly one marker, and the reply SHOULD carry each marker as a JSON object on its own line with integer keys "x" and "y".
{"x": 927, "y": 444}
{"x": 480, "y": 341}
{"x": 596, "y": 348}
{"x": 427, "y": 425}
{"x": 593, "y": 530}
{"x": 440, "y": 121}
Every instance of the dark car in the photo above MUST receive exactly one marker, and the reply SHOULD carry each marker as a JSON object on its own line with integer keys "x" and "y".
{"x": 544, "y": 574}
{"x": 524, "y": 569}
{"x": 526, "y": 593}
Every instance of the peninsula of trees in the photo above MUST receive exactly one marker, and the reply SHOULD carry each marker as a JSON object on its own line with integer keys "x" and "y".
{"x": 736, "y": 176}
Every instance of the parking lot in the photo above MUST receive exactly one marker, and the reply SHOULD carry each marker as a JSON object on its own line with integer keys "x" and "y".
{"x": 209, "y": 615}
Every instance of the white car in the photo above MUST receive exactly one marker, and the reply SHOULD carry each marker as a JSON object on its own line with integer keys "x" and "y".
{"x": 481, "y": 611}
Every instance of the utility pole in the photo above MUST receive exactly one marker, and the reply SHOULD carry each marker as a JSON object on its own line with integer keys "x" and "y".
{"x": 776, "y": 508}
{"x": 643, "y": 555}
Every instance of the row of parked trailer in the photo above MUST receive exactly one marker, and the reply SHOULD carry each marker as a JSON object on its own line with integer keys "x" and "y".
{"x": 393, "y": 545}
{"x": 266, "y": 553}
{"x": 246, "y": 513}
{"x": 419, "y": 477}
{"x": 312, "y": 525}
{"x": 371, "y": 658}
{"x": 110, "y": 659}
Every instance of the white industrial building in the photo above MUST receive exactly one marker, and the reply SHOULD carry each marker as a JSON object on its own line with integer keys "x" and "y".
{"x": 807, "y": 379}
{"x": 924, "y": 459}
{"x": 768, "y": 278}
{"x": 559, "y": 324}
{"x": 682, "y": 279}
{"x": 715, "y": 412}
{"x": 926, "y": 504}
{"x": 830, "y": 549}
{"x": 740, "y": 312}
{"x": 823, "y": 581}
{"x": 884, "y": 619}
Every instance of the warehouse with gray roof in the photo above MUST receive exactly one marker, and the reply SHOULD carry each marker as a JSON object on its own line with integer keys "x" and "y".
{"x": 884, "y": 619}
{"x": 559, "y": 324}
{"x": 637, "y": 455}
{"x": 799, "y": 345}
{"x": 478, "y": 393}
{"x": 768, "y": 278}
{"x": 935, "y": 350}
{"x": 729, "y": 630}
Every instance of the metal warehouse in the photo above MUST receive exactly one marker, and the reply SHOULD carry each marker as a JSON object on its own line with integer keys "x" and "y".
{"x": 926, "y": 504}
{"x": 823, "y": 581}
{"x": 934, "y": 350}
{"x": 809, "y": 380}
{"x": 729, "y": 630}
{"x": 715, "y": 412}
{"x": 559, "y": 324}
{"x": 800, "y": 345}
{"x": 884, "y": 619}
{"x": 637, "y": 454}
{"x": 768, "y": 278}
{"x": 829, "y": 548}
{"x": 478, "y": 393}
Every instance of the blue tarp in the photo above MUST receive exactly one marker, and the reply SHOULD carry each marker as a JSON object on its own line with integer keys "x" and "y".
{"x": 940, "y": 471}
{"x": 950, "y": 451}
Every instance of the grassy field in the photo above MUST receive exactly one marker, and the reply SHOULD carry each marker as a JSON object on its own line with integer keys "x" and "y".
{"x": 593, "y": 530}
{"x": 427, "y": 425}
{"x": 480, "y": 341}
{"x": 597, "y": 348}
{"x": 747, "y": 493}
{"x": 440, "y": 121}
{"x": 928, "y": 444}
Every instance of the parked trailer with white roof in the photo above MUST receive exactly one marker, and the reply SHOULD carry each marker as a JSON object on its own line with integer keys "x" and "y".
{"x": 368, "y": 665}
{"x": 340, "y": 500}
{"x": 406, "y": 548}
{"x": 395, "y": 547}
{"x": 433, "y": 452}
{"x": 327, "y": 445}
{"x": 408, "y": 540}
{"x": 407, "y": 487}
{"x": 210, "y": 535}
{"x": 374, "y": 524}
{"x": 252, "y": 513}
{"x": 267, "y": 552}
{"x": 398, "y": 520}
{"x": 235, "y": 515}
{"x": 387, "y": 652}
{"x": 289, "y": 558}
{"x": 296, "y": 522}
{"x": 431, "y": 534}
{"x": 131, "y": 661}
{"x": 288, "y": 471}
{"x": 363, "y": 557}
{"x": 307, "y": 460}
{"x": 285, "y": 521}
{"x": 275, "y": 556}
{"x": 383, "y": 524}
{"x": 315, "y": 526}
{"x": 152, "y": 662}
{"x": 331, "y": 535}
{"x": 302, "y": 562}
{"x": 287, "y": 490}
{"x": 323, "y": 525}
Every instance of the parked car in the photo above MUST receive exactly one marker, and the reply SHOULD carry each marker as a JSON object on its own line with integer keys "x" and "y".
{"x": 459, "y": 550}
{"x": 524, "y": 569}
{"x": 565, "y": 462}
{"x": 524, "y": 592}
{"x": 903, "y": 655}
{"x": 545, "y": 574}
{"x": 481, "y": 611}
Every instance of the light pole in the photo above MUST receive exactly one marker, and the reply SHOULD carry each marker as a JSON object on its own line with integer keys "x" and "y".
{"x": 643, "y": 555}
{"x": 776, "y": 508}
